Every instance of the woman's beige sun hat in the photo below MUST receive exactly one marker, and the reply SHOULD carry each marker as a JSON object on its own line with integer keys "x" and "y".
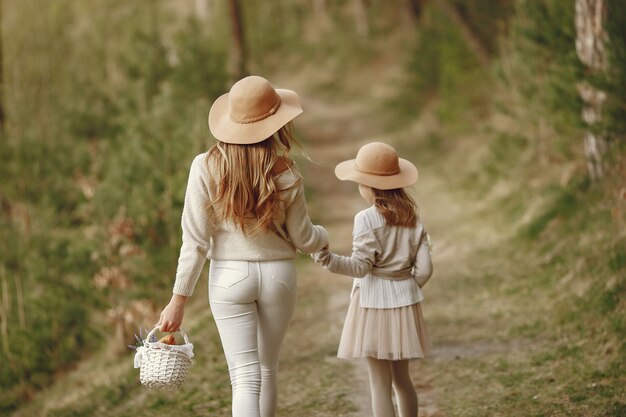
{"x": 377, "y": 165}
{"x": 252, "y": 111}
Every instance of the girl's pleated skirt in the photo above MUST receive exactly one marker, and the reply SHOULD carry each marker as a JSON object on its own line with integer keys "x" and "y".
{"x": 383, "y": 333}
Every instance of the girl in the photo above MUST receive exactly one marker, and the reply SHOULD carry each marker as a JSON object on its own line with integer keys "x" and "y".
{"x": 390, "y": 262}
{"x": 245, "y": 210}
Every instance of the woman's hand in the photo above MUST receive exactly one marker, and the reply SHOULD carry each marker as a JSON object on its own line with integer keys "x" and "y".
{"x": 172, "y": 314}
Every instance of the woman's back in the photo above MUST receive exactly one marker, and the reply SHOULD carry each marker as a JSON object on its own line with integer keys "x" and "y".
{"x": 204, "y": 236}
{"x": 291, "y": 228}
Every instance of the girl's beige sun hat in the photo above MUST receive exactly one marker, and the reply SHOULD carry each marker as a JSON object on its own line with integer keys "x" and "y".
{"x": 252, "y": 111}
{"x": 377, "y": 165}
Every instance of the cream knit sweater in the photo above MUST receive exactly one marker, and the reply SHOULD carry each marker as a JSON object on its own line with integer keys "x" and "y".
{"x": 204, "y": 237}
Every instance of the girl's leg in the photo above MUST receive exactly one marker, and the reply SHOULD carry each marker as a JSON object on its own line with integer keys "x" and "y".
{"x": 276, "y": 304}
{"x": 232, "y": 293}
{"x": 380, "y": 385}
{"x": 403, "y": 386}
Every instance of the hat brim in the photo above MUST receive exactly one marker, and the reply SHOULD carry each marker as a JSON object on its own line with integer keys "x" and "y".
{"x": 346, "y": 171}
{"x": 225, "y": 130}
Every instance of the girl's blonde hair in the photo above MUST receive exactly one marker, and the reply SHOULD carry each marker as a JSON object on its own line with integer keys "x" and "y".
{"x": 245, "y": 180}
{"x": 396, "y": 206}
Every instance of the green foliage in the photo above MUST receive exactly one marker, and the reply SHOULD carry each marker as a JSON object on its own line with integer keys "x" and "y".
{"x": 506, "y": 158}
{"x": 488, "y": 19}
{"x": 546, "y": 67}
{"x": 614, "y": 81}
{"x": 121, "y": 128}
{"x": 441, "y": 66}
{"x": 563, "y": 205}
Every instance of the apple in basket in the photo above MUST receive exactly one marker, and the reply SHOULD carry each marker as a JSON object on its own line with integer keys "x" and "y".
{"x": 168, "y": 339}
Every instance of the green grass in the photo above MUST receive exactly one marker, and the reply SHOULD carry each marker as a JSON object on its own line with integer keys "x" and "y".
{"x": 561, "y": 279}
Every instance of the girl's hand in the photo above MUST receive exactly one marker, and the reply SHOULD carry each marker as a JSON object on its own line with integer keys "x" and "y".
{"x": 322, "y": 256}
{"x": 172, "y": 314}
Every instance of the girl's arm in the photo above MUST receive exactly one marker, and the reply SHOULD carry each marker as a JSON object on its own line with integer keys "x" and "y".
{"x": 364, "y": 248}
{"x": 423, "y": 267}
{"x": 197, "y": 230}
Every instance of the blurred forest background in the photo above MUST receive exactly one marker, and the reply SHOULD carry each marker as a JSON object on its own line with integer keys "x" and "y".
{"x": 518, "y": 103}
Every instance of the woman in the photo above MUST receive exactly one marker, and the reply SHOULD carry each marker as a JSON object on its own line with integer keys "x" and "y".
{"x": 245, "y": 210}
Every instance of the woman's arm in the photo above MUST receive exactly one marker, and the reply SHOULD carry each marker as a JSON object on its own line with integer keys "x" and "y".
{"x": 303, "y": 233}
{"x": 197, "y": 228}
{"x": 172, "y": 315}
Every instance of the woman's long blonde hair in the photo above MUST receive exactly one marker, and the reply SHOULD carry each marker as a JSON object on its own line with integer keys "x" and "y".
{"x": 245, "y": 189}
{"x": 396, "y": 206}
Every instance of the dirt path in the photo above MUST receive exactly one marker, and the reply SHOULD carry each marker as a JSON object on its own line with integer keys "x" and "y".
{"x": 334, "y": 133}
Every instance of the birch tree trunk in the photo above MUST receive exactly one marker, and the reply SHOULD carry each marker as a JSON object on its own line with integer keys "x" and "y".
{"x": 239, "y": 55}
{"x": 590, "y": 41}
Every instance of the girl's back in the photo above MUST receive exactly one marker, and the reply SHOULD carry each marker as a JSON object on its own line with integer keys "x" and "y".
{"x": 390, "y": 261}
{"x": 396, "y": 245}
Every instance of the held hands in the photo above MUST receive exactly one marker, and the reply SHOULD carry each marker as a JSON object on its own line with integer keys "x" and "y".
{"x": 172, "y": 314}
{"x": 322, "y": 256}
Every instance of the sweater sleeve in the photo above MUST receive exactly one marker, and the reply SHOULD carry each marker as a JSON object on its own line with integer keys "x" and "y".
{"x": 305, "y": 235}
{"x": 364, "y": 249}
{"x": 197, "y": 230}
{"x": 423, "y": 266}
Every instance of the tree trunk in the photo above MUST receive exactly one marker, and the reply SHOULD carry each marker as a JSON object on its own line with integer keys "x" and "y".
{"x": 590, "y": 34}
{"x": 590, "y": 39}
{"x": 360, "y": 18}
{"x": 470, "y": 36}
{"x": 239, "y": 56}
{"x": 416, "y": 7}
{"x": 2, "y": 116}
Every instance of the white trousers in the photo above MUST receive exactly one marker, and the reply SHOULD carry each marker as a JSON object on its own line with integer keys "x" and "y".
{"x": 252, "y": 303}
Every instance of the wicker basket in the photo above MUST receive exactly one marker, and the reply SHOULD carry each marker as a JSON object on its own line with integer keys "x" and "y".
{"x": 163, "y": 366}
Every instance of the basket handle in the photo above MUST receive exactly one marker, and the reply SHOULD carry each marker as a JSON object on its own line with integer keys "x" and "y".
{"x": 182, "y": 332}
